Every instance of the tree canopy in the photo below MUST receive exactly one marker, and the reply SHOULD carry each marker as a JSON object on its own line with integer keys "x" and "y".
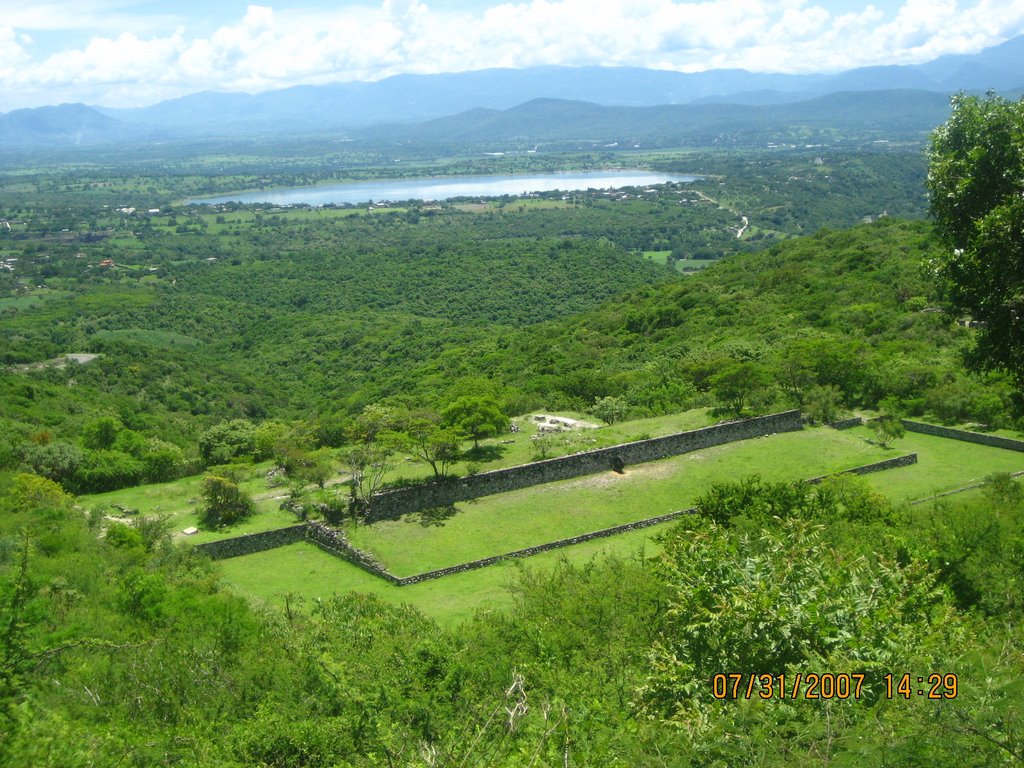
{"x": 976, "y": 182}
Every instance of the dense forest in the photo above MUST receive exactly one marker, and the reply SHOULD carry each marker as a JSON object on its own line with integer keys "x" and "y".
{"x": 236, "y": 334}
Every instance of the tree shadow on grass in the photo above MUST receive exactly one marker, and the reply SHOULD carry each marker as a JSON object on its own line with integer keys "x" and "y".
{"x": 435, "y": 516}
{"x": 484, "y": 453}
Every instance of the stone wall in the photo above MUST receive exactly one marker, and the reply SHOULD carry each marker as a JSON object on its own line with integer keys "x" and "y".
{"x": 867, "y": 469}
{"x": 962, "y": 434}
{"x": 878, "y": 466}
{"x": 850, "y": 423}
{"x": 336, "y": 543}
{"x": 393, "y": 504}
{"x": 249, "y": 543}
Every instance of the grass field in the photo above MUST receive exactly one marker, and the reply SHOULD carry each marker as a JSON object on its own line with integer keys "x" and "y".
{"x": 305, "y": 571}
{"x": 31, "y": 299}
{"x": 509, "y": 521}
{"x": 658, "y": 257}
{"x": 943, "y": 465}
{"x": 178, "y": 502}
{"x": 693, "y": 265}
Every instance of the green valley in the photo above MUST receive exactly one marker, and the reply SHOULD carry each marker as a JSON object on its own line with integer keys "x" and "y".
{"x": 209, "y": 415}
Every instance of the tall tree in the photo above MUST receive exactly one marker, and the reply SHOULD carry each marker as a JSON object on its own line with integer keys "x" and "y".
{"x": 476, "y": 416}
{"x": 428, "y": 441}
{"x": 976, "y": 183}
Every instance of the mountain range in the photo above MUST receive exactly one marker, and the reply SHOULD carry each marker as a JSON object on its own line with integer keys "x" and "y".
{"x": 496, "y": 104}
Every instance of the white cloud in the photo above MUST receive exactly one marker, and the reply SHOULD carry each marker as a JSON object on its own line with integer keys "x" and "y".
{"x": 85, "y": 15}
{"x": 269, "y": 47}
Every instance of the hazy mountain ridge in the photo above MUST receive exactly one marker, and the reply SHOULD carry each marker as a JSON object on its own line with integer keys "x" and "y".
{"x": 889, "y": 114}
{"x": 412, "y": 99}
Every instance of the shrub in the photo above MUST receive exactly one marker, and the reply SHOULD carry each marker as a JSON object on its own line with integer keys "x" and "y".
{"x": 223, "y": 502}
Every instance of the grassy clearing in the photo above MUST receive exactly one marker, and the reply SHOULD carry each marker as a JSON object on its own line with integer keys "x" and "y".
{"x": 310, "y": 573}
{"x": 693, "y": 265}
{"x": 533, "y": 204}
{"x": 178, "y": 502}
{"x": 31, "y": 299}
{"x": 943, "y": 465}
{"x": 510, "y": 521}
{"x": 218, "y": 222}
{"x": 1013, "y": 434}
{"x": 658, "y": 257}
{"x": 513, "y": 448}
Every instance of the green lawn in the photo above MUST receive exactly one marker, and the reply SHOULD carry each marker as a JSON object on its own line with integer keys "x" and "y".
{"x": 943, "y": 465}
{"x": 30, "y": 299}
{"x": 506, "y": 522}
{"x": 512, "y": 448}
{"x": 509, "y": 521}
{"x": 310, "y": 573}
{"x": 693, "y": 265}
{"x": 658, "y": 257}
{"x": 178, "y": 501}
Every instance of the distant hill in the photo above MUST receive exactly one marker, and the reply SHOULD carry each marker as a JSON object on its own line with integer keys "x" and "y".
{"x": 66, "y": 125}
{"x": 412, "y": 99}
{"x": 880, "y": 114}
{"x": 416, "y": 98}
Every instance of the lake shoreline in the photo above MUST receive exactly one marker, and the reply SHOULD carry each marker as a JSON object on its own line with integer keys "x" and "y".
{"x": 443, "y": 188}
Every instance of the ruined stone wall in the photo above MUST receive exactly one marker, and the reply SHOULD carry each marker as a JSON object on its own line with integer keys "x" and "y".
{"x": 962, "y": 434}
{"x": 850, "y": 423}
{"x": 393, "y": 504}
{"x": 336, "y": 543}
{"x": 249, "y": 543}
{"x": 867, "y": 469}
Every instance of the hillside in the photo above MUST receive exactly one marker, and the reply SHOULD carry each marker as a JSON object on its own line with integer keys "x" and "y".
{"x": 293, "y": 656}
{"x": 847, "y": 317}
{"x": 834, "y": 321}
{"x": 234, "y": 341}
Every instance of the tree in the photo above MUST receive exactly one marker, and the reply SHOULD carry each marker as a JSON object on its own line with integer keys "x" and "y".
{"x": 438, "y": 446}
{"x": 374, "y": 420}
{"x": 888, "y": 426}
{"x": 737, "y": 384}
{"x": 976, "y": 185}
{"x": 163, "y": 460}
{"x": 305, "y": 467}
{"x": 57, "y": 461}
{"x": 227, "y": 440}
{"x": 367, "y": 465}
{"x": 476, "y": 416}
{"x": 30, "y": 492}
{"x": 107, "y": 471}
{"x": 822, "y": 404}
{"x": 777, "y": 602}
{"x": 101, "y": 432}
{"x": 610, "y": 409}
{"x": 224, "y": 503}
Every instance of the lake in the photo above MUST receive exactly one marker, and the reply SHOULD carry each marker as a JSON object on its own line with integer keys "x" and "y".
{"x": 446, "y": 188}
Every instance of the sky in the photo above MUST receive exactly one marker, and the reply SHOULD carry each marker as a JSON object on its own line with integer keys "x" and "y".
{"x": 130, "y": 53}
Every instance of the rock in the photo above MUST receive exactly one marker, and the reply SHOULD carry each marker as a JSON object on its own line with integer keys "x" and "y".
{"x": 190, "y": 531}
